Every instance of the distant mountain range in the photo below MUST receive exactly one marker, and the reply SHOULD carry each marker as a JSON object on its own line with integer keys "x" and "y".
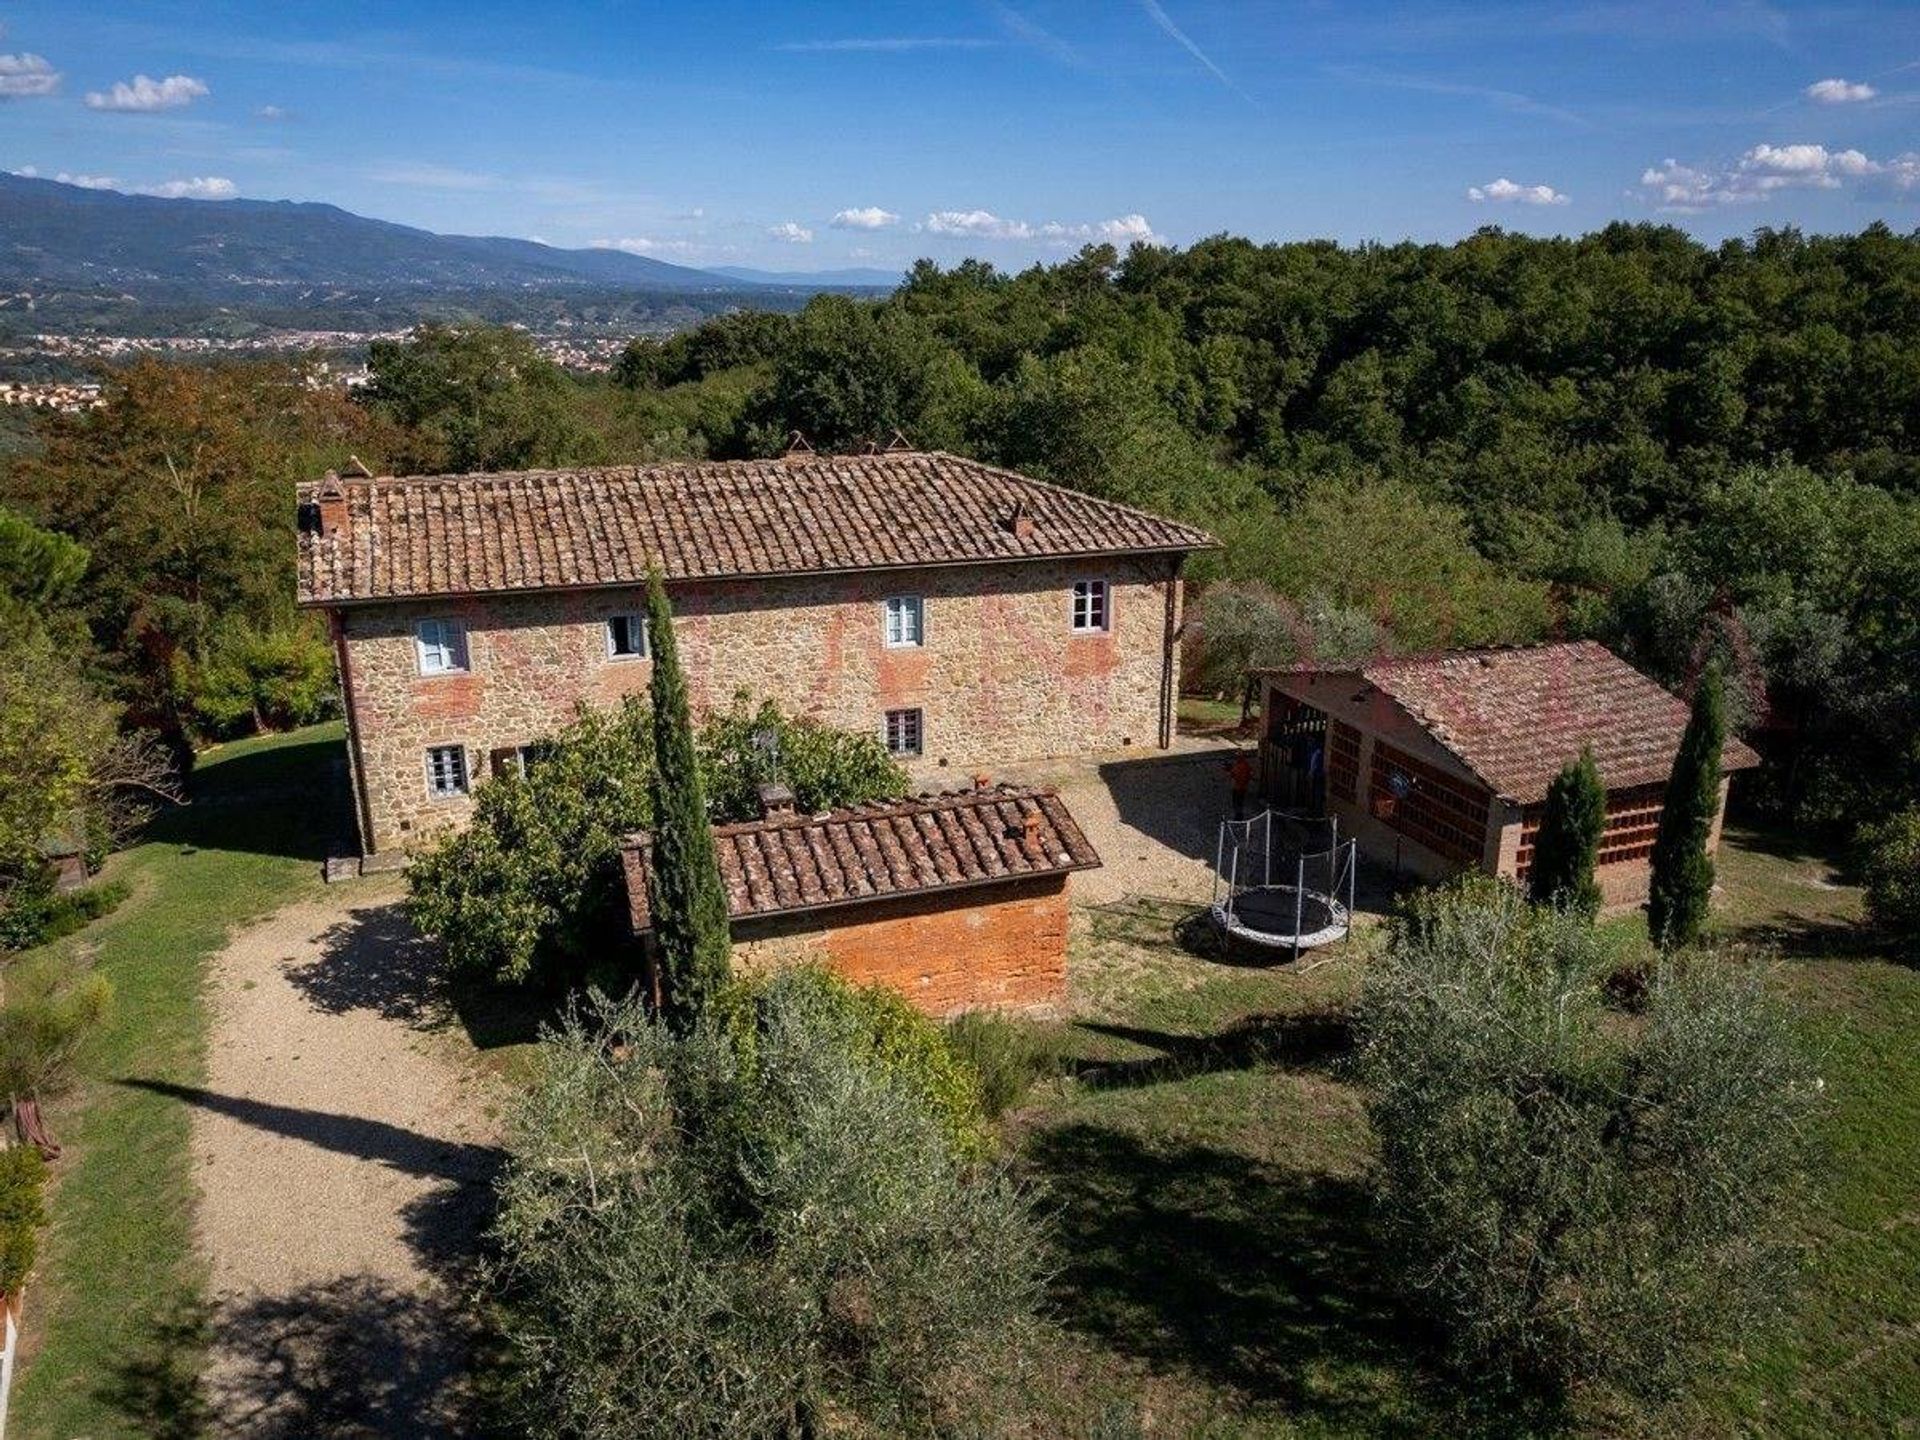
{"x": 54, "y": 235}
{"x": 856, "y": 277}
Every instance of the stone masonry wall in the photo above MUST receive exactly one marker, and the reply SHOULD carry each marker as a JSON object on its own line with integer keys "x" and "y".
{"x": 1003, "y": 948}
{"x": 1001, "y": 677}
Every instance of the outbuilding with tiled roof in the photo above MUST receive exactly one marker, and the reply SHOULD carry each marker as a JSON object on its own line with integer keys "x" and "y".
{"x": 956, "y": 899}
{"x": 1441, "y": 762}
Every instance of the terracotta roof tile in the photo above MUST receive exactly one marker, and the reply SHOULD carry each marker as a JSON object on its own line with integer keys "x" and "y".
{"x": 567, "y": 529}
{"x": 793, "y": 864}
{"x": 1516, "y": 716}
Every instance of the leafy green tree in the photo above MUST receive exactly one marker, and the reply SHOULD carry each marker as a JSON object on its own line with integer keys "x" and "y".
{"x": 748, "y": 745}
{"x": 1566, "y": 848}
{"x": 1680, "y": 892}
{"x": 691, "y": 936}
{"x": 1587, "y": 1212}
{"x": 258, "y": 678}
{"x": 477, "y": 397}
{"x": 180, "y": 488}
{"x": 1891, "y": 875}
{"x": 759, "y": 1229}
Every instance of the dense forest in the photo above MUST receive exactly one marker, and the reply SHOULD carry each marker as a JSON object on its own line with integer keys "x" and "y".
{"x": 1691, "y": 453}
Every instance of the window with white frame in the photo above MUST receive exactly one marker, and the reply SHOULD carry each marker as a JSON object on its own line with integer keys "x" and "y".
{"x": 1091, "y": 610}
{"x": 440, "y": 646}
{"x": 514, "y": 759}
{"x": 446, "y": 771}
{"x": 906, "y": 621}
{"x": 903, "y": 732}
{"x": 627, "y": 638}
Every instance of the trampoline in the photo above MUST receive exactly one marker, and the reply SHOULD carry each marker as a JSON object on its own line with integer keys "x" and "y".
{"x": 1283, "y": 881}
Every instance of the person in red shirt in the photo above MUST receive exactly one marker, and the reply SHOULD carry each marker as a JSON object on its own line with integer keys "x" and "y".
{"x": 1240, "y": 774}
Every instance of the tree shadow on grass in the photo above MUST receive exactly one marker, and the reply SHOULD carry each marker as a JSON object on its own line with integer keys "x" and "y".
{"x": 1194, "y": 1258}
{"x": 291, "y": 799}
{"x": 1313, "y": 1039}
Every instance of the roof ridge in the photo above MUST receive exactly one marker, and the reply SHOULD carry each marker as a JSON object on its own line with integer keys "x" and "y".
{"x": 1055, "y": 488}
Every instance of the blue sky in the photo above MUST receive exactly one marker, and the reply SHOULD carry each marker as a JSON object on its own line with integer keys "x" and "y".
{"x": 807, "y": 136}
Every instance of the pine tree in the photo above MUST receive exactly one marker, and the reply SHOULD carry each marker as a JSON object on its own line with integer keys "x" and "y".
{"x": 688, "y": 902}
{"x": 1682, "y": 883}
{"x": 1567, "y": 846}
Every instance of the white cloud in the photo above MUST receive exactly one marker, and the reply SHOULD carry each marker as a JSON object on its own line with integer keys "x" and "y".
{"x": 791, "y": 232}
{"x": 199, "y": 187}
{"x": 1764, "y": 171}
{"x": 143, "y": 95}
{"x": 87, "y": 182}
{"x": 866, "y": 217}
{"x": 25, "y": 75}
{"x": 1508, "y": 192}
{"x": 985, "y": 225}
{"x": 1840, "y": 92}
{"x": 646, "y": 245}
{"x": 273, "y": 112}
{"x": 982, "y": 223}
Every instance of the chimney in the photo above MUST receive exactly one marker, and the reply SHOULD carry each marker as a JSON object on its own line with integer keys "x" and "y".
{"x": 776, "y": 801}
{"x": 798, "y": 450}
{"x": 1030, "y": 836}
{"x": 1019, "y": 521}
{"x": 331, "y": 501}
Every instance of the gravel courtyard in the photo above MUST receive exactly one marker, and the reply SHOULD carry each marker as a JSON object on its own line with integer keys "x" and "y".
{"x": 343, "y": 1151}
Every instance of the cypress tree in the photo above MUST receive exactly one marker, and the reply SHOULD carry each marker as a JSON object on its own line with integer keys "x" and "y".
{"x": 684, "y": 892}
{"x": 1682, "y": 883}
{"x": 1567, "y": 846}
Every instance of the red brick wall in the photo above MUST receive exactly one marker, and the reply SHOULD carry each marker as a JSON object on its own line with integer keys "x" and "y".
{"x": 959, "y": 950}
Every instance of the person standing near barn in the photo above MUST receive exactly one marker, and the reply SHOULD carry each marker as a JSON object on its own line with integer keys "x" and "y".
{"x": 1240, "y": 776}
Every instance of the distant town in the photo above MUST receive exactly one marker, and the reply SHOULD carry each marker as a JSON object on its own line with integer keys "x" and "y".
{"x": 341, "y": 356}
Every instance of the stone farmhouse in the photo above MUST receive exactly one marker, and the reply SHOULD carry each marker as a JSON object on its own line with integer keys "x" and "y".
{"x": 1440, "y": 763}
{"x": 967, "y": 615}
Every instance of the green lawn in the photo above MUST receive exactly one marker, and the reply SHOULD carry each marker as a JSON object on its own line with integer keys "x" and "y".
{"x": 113, "y": 1337}
{"x": 1207, "y": 1161}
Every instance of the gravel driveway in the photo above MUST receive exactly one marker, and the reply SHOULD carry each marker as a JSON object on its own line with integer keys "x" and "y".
{"x": 344, "y": 1155}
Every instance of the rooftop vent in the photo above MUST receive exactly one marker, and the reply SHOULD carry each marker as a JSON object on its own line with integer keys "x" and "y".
{"x": 1019, "y": 521}
{"x": 798, "y": 447}
{"x": 330, "y": 500}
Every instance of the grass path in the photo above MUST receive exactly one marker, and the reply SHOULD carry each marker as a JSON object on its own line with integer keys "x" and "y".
{"x": 113, "y": 1319}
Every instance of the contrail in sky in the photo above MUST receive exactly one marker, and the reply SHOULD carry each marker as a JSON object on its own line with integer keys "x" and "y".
{"x": 1165, "y": 21}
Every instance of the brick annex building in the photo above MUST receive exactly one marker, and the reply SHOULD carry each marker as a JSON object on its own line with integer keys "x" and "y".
{"x": 968, "y": 615}
{"x": 1440, "y": 763}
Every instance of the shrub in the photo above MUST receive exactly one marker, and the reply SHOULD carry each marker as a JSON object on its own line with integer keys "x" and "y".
{"x": 1891, "y": 873}
{"x": 1576, "y": 1201}
{"x": 757, "y": 1228}
{"x": 876, "y": 1024}
{"x": 42, "y": 1027}
{"x": 1005, "y": 1054}
{"x": 1567, "y": 847}
{"x": 36, "y": 913}
{"x": 23, "y": 1174}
